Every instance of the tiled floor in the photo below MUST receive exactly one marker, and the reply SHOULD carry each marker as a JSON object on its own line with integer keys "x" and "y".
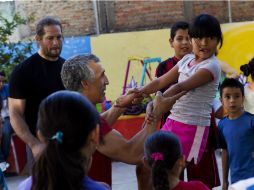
{"x": 124, "y": 177}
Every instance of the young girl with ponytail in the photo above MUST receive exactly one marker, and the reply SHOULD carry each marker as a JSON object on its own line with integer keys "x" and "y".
{"x": 163, "y": 154}
{"x": 68, "y": 125}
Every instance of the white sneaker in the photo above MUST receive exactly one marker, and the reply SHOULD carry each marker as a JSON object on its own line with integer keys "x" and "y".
{"x": 4, "y": 166}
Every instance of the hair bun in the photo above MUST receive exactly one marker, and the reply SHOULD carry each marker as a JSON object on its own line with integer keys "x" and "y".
{"x": 248, "y": 69}
{"x": 245, "y": 70}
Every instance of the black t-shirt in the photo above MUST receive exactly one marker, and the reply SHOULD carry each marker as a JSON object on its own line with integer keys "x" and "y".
{"x": 33, "y": 80}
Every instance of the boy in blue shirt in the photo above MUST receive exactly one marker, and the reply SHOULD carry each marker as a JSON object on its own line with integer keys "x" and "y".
{"x": 237, "y": 134}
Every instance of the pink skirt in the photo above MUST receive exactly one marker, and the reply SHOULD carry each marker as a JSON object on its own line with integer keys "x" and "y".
{"x": 193, "y": 138}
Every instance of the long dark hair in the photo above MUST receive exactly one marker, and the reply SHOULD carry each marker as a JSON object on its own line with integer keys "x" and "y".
{"x": 162, "y": 150}
{"x": 205, "y": 25}
{"x": 248, "y": 69}
{"x": 61, "y": 165}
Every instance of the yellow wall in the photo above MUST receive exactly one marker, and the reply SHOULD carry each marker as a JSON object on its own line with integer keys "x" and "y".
{"x": 238, "y": 47}
{"x": 114, "y": 50}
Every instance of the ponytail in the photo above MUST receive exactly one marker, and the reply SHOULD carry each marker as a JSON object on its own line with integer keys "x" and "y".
{"x": 160, "y": 175}
{"x": 245, "y": 69}
{"x": 162, "y": 150}
{"x": 56, "y": 169}
{"x": 248, "y": 69}
{"x": 65, "y": 120}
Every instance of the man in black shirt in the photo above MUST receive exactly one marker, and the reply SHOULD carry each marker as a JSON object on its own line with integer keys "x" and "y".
{"x": 33, "y": 80}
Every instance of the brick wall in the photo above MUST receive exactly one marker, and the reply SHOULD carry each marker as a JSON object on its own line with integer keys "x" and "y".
{"x": 115, "y": 16}
{"x": 219, "y": 9}
{"x": 139, "y": 15}
{"x": 131, "y": 15}
{"x": 77, "y": 16}
{"x": 242, "y": 11}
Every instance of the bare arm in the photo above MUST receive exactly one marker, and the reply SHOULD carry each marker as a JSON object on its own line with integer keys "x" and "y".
{"x": 165, "y": 80}
{"x": 128, "y": 151}
{"x": 16, "y": 109}
{"x": 115, "y": 146}
{"x": 163, "y": 104}
{"x": 112, "y": 114}
{"x": 219, "y": 113}
{"x": 131, "y": 151}
{"x": 225, "y": 169}
{"x": 228, "y": 70}
{"x": 119, "y": 107}
{"x": 201, "y": 77}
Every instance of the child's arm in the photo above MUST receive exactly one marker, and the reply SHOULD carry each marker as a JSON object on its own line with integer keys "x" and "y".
{"x": 157, "y": 84}
{"x": 225, "y": 169}
{"x": 162, "y": 104}
{"x": 201, "y": 77}
{"x": 228, "y": 70}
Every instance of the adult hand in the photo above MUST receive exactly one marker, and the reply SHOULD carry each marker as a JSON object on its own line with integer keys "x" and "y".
{"x": 140, "y": 96}
{"x": 150, "y": 116}
{"x": 163, "y": 104}
{"x": 149, "y": 108}
{"x": 131, "y": 97}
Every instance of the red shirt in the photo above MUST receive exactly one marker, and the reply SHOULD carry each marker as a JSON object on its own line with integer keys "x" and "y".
{"x": 192, "y": 185}
{"x": 101, "y": 169}
{"x": 164, "y": 67}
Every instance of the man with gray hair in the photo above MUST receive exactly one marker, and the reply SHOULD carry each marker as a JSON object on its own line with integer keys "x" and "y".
{"x": 84, "y": 73}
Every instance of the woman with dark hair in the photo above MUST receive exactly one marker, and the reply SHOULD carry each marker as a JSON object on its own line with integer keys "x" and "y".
{"x": 68, "y": 124}
{"x": 248, "y": 69}
{"x": 163, "y": 154}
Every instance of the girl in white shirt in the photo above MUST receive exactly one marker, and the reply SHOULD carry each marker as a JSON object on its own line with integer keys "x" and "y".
{"x": 198, "y": 74}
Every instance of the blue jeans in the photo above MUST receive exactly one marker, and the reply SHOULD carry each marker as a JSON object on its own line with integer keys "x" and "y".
{"x": 3, "y": 184}
{"x": 6, "y": 140}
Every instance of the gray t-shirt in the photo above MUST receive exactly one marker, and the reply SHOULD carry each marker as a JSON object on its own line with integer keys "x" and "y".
{"x": 195, "y": 107}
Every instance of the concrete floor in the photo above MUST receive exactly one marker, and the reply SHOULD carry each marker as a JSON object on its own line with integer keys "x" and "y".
{"x": 124, "y": 177}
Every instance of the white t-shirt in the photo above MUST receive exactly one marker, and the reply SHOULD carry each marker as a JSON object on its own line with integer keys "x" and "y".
{"x": 195, "y": 107}
{"x": 249, "y": 99}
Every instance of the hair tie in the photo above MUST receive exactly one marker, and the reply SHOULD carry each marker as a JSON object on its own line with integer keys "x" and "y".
{"x": 157, "y": 156}
{"x": 58, "y": 136}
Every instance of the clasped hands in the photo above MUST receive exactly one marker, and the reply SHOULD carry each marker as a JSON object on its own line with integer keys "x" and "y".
{"x": 157, "y": 107}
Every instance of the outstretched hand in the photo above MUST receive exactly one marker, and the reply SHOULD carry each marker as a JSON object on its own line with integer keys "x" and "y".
{"x": 163, "y": 104}
{"x": 150, "y": 116}
{"x": 133, "y": 96}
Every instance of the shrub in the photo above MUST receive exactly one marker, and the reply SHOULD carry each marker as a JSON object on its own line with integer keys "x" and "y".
{"x": 12, "y": 53}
